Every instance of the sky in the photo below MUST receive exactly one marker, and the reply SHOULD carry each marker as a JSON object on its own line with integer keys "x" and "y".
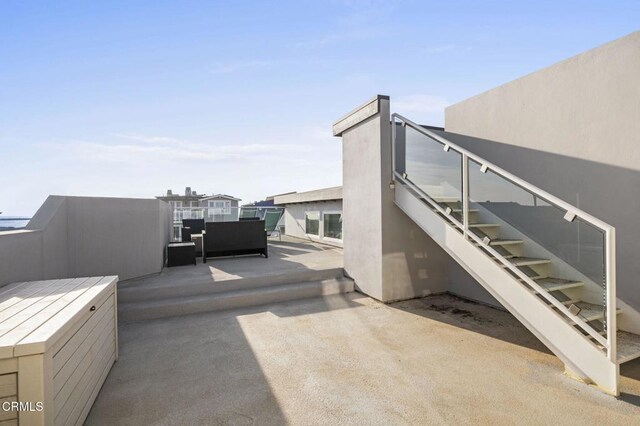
{"x": 131, "y": 98}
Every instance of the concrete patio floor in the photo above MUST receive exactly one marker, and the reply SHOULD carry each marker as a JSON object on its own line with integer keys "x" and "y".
{"x": 349, "y": 360}
{"x": 286, "y": 255}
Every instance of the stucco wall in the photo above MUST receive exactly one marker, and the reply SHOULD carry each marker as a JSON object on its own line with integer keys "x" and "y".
{"x": 294, "y": 219}
{"x": 106, "y": 235}
{"x": 20, "y": 256}
{"x": 87, "y": 236}
{"x": 361, "y": 211}
{"x": 387, "y": 254}
{"x": 571, "y": 129}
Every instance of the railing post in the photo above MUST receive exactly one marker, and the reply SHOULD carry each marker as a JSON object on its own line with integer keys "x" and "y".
{"x": 465, "y": 194}
{"x": 393, "y": 149}
{"x": 610, "y": 267}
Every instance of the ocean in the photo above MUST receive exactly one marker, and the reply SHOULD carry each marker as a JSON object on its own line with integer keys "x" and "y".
{"x": 12, "y": 222}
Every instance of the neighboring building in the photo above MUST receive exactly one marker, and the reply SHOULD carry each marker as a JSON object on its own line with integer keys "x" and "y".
{"x": 268, "y": 201}
{"x": 191, "y": 205}
{"x": 177, "y": 201}
{"x": 220, "y": 207}
{"x": 314, "y": 215}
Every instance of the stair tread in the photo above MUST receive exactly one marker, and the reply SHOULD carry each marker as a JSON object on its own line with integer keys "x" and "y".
{"x": 505, "y": 256}
{"x": 591, "y": 311}
{"x": 204, "y": 285}
{"x": 140, "y": 311}
{"x": 502, "y": 242}
{"x": 554, "y": 284}
{"x": 524, "y": 261}
{"x": 484, "y": 225}
{"x": 530, "y": 273}
{"x": 446, "y": 199}
{"x": 563, "y": 298}
{"x": 628, "y": 345}
{"x": 227, "y": 294}
{"x": 567, "y": 302}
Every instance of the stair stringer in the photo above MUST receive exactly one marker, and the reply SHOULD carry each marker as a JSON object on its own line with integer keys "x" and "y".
{"x": 580, "y": 356}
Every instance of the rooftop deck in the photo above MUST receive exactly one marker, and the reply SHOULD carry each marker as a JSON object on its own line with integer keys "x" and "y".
{"x": 286, "y": 256}
{"x": 295, "y": 269}
{"x": 347, "y": 359}
{"x": 344, "y": 359}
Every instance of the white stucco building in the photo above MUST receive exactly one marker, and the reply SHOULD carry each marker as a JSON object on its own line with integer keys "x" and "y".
{"x": 314, "y": 215}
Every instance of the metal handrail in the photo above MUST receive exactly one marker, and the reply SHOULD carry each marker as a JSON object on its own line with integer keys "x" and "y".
{"x": 508, "y": 264}
{"x": 609, "y": 231}
{"x": 514, "y": 179}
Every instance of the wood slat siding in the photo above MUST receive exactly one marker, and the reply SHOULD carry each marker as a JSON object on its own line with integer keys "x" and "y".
{"x": 54, "y": 348}
{"x": 69, "y": 376}
{"x": 8, "y": 392}
{"x": 8, "y": 415}
{"x": 73, "y": 345}
{"x": 8, "y": 365}
{"x": 26, "y": 308}
{"x": 96, "y": 388}
{"x": 8, "y": 385}
{"x": 40, "y": 319}
{"x": 91, "y": 370}
{"x": 61, "y": 327}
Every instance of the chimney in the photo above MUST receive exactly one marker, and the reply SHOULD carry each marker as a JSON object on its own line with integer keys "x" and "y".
{"x": 169, "y": 193}
{"x": 187, "y": 191}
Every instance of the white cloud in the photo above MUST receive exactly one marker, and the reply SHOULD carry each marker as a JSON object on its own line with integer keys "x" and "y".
{"x": 169, "y": 150}
{"x": 438, "y": 49}
{"x": 149, "y": 139}
{"x": 335, "y": 38}
{"x": 419, "y": 104}
{"x": 446, "y": 48}
{"x": 137, "y": 165}
{"x": 232, "y": 67}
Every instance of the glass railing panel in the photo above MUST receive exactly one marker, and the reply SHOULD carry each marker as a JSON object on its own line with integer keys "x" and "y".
{"x": 576, "y": 248}
{"x": 426, "y": 164}
{"x": 272, "y": 215}
{"x": 225, "y": 214}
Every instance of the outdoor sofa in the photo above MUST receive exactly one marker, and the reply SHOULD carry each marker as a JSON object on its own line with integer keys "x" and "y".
{"x": 234, "y": 238}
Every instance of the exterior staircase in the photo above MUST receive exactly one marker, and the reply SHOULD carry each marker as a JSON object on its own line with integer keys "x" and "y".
{"x": 550, "y": 264}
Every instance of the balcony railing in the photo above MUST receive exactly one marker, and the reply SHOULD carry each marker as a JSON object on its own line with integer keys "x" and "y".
{"x": 222, "y": 214}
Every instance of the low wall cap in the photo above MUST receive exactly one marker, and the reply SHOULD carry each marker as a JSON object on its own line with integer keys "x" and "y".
{"x": 358, "y": 115}
{"x": 324, "y": 194}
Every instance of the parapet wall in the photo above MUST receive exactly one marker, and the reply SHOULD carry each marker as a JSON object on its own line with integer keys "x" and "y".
{"x": 571, "y": 129}
{"x": 87, "y": 236}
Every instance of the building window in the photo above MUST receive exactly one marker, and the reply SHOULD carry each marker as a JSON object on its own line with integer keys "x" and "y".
{"x": 177, "y": 210}
{"x": 332, "y": 225}
{"x": 312, "y": 223}
{"x": 219, "y": 207}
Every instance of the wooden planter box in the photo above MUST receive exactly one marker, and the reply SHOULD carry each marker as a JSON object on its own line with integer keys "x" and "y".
{"x": 58, "y": 341}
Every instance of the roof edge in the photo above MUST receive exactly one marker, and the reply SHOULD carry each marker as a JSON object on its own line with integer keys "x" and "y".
{"x": 358, "y": 115}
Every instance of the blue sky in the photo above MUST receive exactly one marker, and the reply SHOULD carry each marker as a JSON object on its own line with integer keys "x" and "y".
{"x": 130, "y": 98}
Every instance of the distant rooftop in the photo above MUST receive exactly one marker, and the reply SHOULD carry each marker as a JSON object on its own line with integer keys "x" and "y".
{"x": 324, "y": 194}
{"x": 228, "y": 197}
{"x": 193, "y": 195}
{"x": 188, "y": 192}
